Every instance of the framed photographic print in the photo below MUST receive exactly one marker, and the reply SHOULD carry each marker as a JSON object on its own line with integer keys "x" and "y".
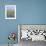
{"x": 10, "y": 11}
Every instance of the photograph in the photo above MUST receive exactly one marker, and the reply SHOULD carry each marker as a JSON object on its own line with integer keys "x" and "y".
{"x": 10, "y": 11}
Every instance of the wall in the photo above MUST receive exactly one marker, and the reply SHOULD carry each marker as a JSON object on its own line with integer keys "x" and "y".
{"x": 27, "y": 12}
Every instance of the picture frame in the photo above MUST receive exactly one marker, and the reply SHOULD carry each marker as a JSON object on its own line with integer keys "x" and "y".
{"x": 10, "y": 11}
